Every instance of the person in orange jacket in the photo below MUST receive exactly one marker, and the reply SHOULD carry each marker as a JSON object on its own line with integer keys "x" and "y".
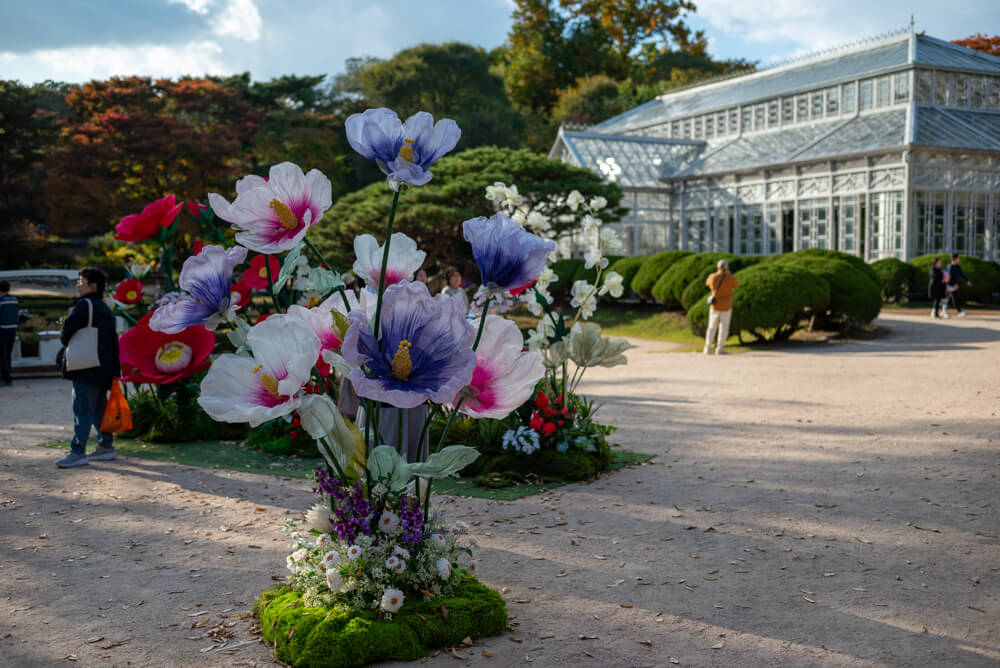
{"x": 720, "y": 313}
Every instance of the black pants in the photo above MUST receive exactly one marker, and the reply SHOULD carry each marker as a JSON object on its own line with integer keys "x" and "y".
{"x": 958, "y": 300}
{"x": 6, "y": 349}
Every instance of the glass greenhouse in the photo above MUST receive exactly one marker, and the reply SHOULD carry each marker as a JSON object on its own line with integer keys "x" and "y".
{"x": 889, "y": 148}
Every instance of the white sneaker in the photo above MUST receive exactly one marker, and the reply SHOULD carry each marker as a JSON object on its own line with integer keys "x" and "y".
{"x": 706, "y": 350}
{"x": 944, "y": 314}
{"x": 933, "y": 312}
{"x": 961, "y": 314}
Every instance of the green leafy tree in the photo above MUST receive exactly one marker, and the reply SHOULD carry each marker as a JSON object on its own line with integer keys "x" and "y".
{"x": 591, "y": 101}
{"x": 26, "y": 133}
{"x": 433, "y": 214}
{"x": 450, "y": 80}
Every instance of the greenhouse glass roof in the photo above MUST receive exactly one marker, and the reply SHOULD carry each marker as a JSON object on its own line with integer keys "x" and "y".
{"x": 880, "y": 57}
{"x": 631, "y": 162}
{"x": 958, "y": 128}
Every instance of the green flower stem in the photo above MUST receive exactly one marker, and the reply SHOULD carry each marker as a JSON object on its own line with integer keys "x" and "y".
{"x": 270, "y": 285}
{"x": 323, "y": 262}
{"x": 385, "y": 261}
{"x": 482, "y": 320}
{"x": 444, "y": 435}
{"x": 125, "y": 315}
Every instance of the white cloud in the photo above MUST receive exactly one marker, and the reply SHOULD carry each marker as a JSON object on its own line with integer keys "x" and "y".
{"x": 196, "y": 6}
{"x": 239, "y": 19}
{"x": 101, "y": 62}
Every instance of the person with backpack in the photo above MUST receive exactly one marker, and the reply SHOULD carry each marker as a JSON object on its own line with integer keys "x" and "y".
{"x": 91, "y": 383}
{"x": 936, "y": 289}
{"x": 954, "y": 279}
{"x": 720, "y": 310}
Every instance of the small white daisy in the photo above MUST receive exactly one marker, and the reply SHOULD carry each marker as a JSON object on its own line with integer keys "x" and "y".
{"x": 388, "y": 522}
{"x": 330, "y": 559}
{"x": 323, "y": 540}
{"x": 401, "y": 552}
{"x": 392, "y": 563}
{"x": 439, "y": 540}
{"x": 353, "y": 552}
{"x": 444, "y": 568}
{"x": 392, "y": 600}
{"x": 333, "y": 580}
{"x": 300, "y": 555}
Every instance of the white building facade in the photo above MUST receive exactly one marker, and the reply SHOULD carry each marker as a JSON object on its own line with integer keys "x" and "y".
{"x": 886, "y": 149}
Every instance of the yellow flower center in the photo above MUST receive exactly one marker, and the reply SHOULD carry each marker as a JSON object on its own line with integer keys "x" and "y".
{"x": 269, "y": 382}
{"x": 263, "y": 272}
{"x": 314, "y": 301}
{"x": 131, "y": 295}
{"x": 288, "y": 219}
{"x": 401, "y": 363}
{"x": 406, "y": 150}
{"x": 173, "y": 356}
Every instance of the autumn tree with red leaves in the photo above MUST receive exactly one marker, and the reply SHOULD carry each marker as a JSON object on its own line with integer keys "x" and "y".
{"x": 131, "y": 140}
{"x": 980, "y": 42}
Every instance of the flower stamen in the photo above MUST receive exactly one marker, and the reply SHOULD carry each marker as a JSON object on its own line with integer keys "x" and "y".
{"x": 406, "y": 150}
{"x": 270, "y": 384}
{"x": 288, "y": 219}
{"x": 402, "y": 365}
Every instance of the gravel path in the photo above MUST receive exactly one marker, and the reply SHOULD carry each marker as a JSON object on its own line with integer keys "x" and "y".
{"x": 826, "y": 505}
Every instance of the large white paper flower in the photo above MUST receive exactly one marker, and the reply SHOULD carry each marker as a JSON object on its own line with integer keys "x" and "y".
{"x": 273, "y": 215}
{"x": 318, "y": 518}
{"x": 268, "y": 384}
{"x": 505, "y": 375}
{"x": 404, "y": 259}
{"x": 444, "y": 568}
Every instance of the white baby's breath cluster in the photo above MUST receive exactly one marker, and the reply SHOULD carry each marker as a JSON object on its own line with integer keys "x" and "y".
{"x": 375, "y": 571}
{"x": 524, "y": 440}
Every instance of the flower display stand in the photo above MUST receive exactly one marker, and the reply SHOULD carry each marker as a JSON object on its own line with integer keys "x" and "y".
{"x": 327, "y": 637}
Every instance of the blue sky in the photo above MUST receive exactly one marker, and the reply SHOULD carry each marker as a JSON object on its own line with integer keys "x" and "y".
{"x": 79, "y": 40}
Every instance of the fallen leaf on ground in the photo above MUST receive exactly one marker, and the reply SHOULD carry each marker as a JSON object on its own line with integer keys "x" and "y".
{"x": 583, "y": 637}
{"x": 719, "y": 645}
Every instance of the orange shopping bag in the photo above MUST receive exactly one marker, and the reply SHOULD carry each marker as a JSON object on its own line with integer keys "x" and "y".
{"x": 117, "y": 416}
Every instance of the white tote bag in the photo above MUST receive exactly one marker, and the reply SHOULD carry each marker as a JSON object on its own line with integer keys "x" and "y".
{"x": 81, "y": 353}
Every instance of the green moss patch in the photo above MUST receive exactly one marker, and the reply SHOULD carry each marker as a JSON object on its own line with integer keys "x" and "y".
{"x": 511, "y": 485}
{"x": 330, "y": 637}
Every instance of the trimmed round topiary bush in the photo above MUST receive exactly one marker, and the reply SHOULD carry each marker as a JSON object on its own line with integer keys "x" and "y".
{"x": 893, "y": 278}
{"x": 984, "y": 275}
{"x": 696, "y": 289}
{"x": 334, "y": 638}
{"x": 853, "y": 260}
{"x": 651, "y": 270}
{"x": 670, "y": 286}
{"x": 854, "y": 298}
{"x": 628, "y": 267}
{"x": 770, "y": 303}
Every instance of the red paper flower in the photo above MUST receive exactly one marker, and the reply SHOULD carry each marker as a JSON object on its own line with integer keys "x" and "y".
{"x": 197, "y": 246}
{"x": 148, "y": 356}
{"x": 241, "y": 293}
{"x": 195, "y": 209}
{"x": 548, "y": 429}
{"x": 541, "y": 400}
{"x": 256, "y": 275}
{"x": 154, "y": 217}
{"x": 535, "y": 422}
{"x": 129, "y": 291}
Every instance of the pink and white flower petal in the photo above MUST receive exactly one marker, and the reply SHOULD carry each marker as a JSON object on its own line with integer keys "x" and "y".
{"x": 505, "y": 375}
{"x": 404, "y": 259}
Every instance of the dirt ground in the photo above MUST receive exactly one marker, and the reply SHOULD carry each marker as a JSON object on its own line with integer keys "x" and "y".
{"x": 816, "y": 505}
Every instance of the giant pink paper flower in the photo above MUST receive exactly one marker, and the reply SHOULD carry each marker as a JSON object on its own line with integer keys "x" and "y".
{"x": 505, "y": 375}
{"x": 320, "y": 318}
{"x": 404, "y": 259}
{"x": 273, "y": 215}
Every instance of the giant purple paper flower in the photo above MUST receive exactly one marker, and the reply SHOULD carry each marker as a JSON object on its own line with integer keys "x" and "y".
{"x": 404, "y": 151}
{"x": 207, "y": 281}
{"x": 509, "y": 257}
{"x": 426, "y": 349}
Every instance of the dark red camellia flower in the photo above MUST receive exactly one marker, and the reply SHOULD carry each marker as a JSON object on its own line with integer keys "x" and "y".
{"x": 535, "y": 422}
{"x": 195, "y": 209}
{"x": 548, "y": 428}
{"x": 541, "y": 400}
{"x": 197, "y": 246}
{"x": 256, "y": 275}
{"x": 148, "y": 356}
{"x": 129, "y": 291}
{"x": 154, "y": 217}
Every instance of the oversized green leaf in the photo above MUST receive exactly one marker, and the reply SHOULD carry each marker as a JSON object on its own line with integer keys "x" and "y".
{"x": 385, "y": 462}
{"x": 288, "y": 267}
{"x": 442, "y": 464}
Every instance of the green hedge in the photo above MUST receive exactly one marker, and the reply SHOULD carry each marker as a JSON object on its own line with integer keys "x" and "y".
{"x": 771, "y": 301}
{"x": 628, "y": 267}
{"x": 333, "y": 638}
{"x": 853, "y": 260}
{"x": 985, "y": 276}
{"x": 854, "y": 297}
{"x": 697, "y": 289}
{"x": 565, "y": 269}
{"x": 651, "y": 270}
{"x": 670, "y": 286}
{"x": 894, "y": 278}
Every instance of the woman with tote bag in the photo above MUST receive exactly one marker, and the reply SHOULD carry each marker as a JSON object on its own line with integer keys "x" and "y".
{"x": 91, "y": 362}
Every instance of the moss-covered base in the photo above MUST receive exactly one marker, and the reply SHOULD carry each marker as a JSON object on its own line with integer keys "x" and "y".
{"x": 501, "y": 469}
{"x": 319, "y": 637}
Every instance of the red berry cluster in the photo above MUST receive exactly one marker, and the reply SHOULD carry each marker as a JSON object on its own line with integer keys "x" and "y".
{"x": 550, "y": 415}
